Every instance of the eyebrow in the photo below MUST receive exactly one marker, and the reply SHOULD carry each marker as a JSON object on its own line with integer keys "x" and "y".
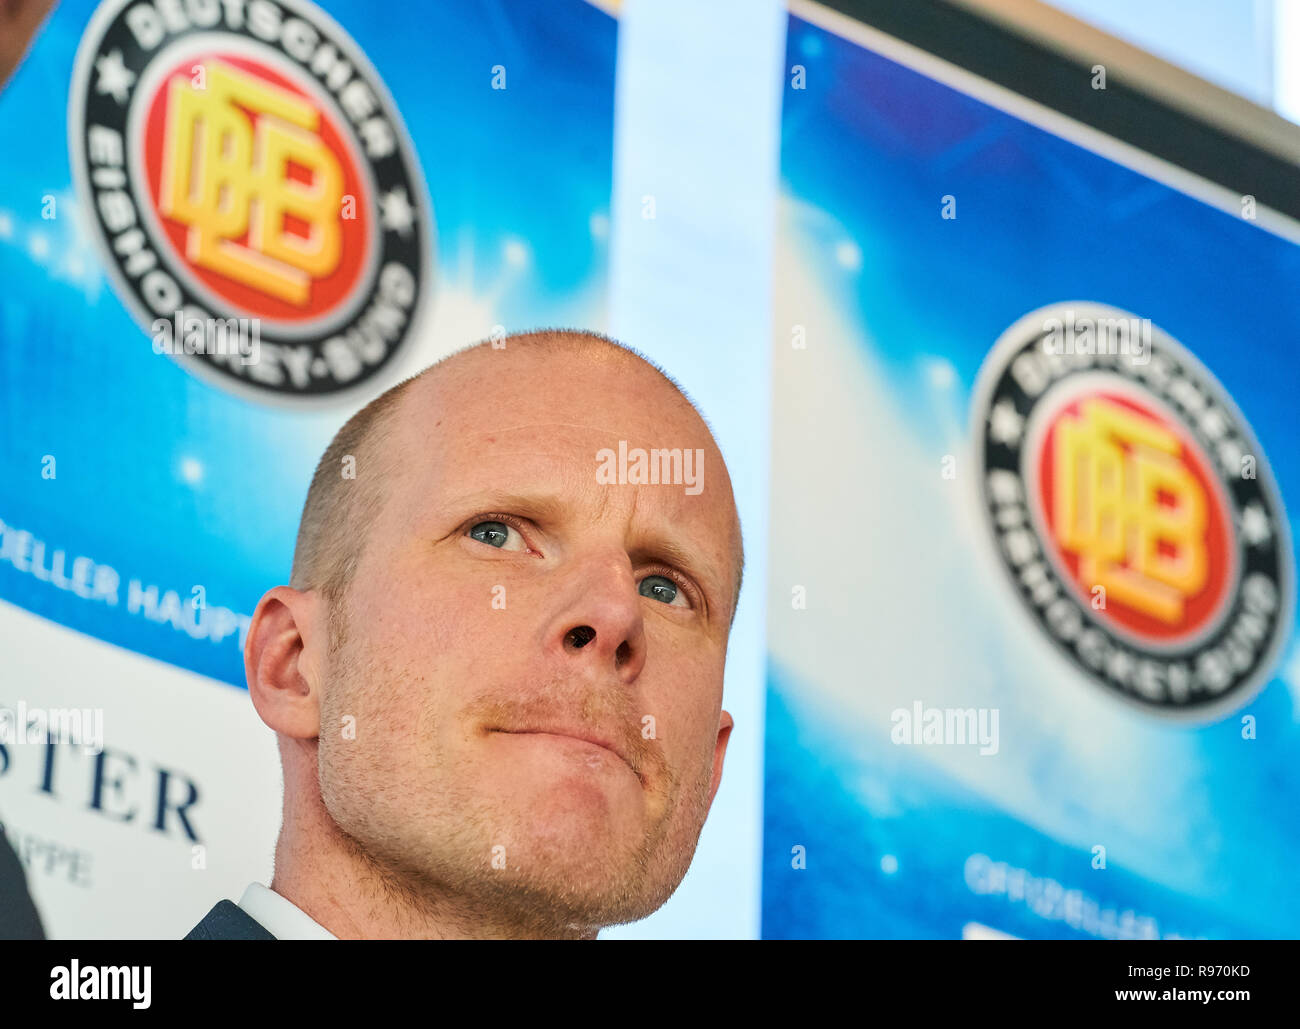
{"x": 669, "y": 551}
{"x": 537, "y": 506}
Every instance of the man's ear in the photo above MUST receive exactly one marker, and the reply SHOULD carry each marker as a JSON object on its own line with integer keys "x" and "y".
{"x": 286, "y": 640}
{"x": 725, "y": 724}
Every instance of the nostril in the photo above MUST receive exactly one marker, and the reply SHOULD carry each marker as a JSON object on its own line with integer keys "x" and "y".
{"x": 580, "y": 637}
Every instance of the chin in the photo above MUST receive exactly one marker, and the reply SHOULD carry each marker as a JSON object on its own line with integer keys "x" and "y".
{"x": 576, "y": 859}
{"x": 577, "y": 835}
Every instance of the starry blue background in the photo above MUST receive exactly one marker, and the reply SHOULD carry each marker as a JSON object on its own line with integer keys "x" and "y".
{"x": 875, "y": 145}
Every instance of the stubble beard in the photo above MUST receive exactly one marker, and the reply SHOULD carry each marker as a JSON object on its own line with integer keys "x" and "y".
{"x": 448, "y": 871}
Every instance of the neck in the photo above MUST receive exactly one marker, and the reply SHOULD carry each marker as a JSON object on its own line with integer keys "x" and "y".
{"x": 327, "y": 875}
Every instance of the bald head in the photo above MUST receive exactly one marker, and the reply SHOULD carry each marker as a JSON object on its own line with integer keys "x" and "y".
{"x": 351, "y": 480}
{"x": 501, "y": 612}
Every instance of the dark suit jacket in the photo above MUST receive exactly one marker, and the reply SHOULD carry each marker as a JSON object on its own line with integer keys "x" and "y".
{"x": 228, "y": 921}
{"x": 18, "y": 917}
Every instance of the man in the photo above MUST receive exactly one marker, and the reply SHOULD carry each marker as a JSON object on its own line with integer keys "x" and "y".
{"x": 496, "y": 675}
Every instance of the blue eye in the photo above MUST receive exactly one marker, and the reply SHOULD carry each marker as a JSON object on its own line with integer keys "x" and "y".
{"x": 662, "y": 589}
{"x": 497, "y": 534}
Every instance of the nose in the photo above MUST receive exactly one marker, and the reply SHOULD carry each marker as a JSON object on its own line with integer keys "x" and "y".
{"x": 602, "y": 626}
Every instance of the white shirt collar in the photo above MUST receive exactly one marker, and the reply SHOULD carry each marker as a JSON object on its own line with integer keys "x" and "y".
{"x": 282, "y": 918}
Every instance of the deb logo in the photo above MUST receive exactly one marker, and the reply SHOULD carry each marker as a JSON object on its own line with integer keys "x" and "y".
{"x": 246, "y": 166}
{"x": 1134, "y": 512}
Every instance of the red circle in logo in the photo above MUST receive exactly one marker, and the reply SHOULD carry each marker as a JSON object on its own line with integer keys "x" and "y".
{"x": 1131, "y": 504}
{"x": 251, "y": 178}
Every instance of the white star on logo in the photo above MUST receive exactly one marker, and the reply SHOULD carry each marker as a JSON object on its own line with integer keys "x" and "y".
{"x": 114, "y": 76}
{"x": 1255, "y": 525}
{"x": 1005, "y": 424}
{"x": 397, "y": 211}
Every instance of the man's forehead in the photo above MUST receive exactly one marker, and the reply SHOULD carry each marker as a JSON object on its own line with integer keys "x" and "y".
{"x": 474, "y": 431}
{"x": 559, "y": 405}
{"x": 580, "y": 466}
{"x": 486, "y": 387}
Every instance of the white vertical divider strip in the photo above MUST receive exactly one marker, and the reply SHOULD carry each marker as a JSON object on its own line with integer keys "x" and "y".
{"x": 696, "y": 154}
{"x": 1286, "y": 59}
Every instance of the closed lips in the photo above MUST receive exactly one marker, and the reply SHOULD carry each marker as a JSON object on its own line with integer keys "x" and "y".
{"x": 581, "y": 735}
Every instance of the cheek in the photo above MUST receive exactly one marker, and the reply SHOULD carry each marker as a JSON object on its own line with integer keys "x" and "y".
{"x": 422, "y": 643}
{"x": 375, "y": 692}
{"x": 407, "y": 618}
{"x": 684, "y": 700}
{"x": 471, "y": 625}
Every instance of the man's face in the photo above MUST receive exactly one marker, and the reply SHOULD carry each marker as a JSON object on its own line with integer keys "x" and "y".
{"x": 507, "y": 601}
